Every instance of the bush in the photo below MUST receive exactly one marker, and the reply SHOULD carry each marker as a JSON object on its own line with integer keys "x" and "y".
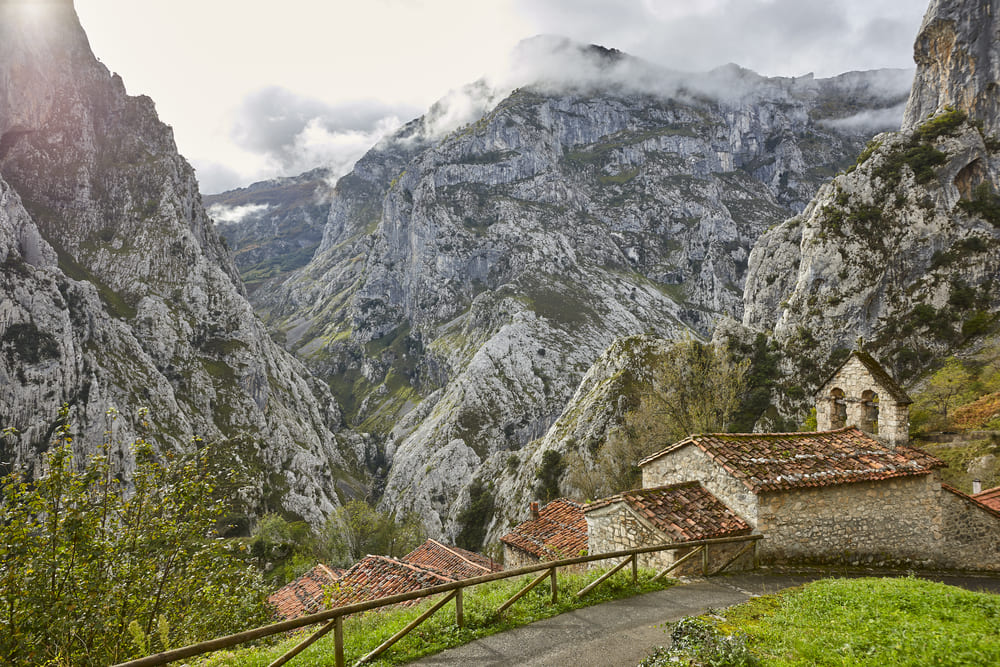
{"x": 92, "y": 575}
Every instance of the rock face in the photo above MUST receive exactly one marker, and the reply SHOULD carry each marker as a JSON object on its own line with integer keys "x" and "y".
{"x": 272, "y": 227}
{"x": 903, "y": 250}
{"x": 958, "y": 63}
{"x": 467, "y": 280}
{"x": 118, "y": 293}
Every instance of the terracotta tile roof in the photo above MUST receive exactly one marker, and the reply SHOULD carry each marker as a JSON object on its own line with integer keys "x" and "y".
{"x": 305, "y": 594}
{"x": 685, "y": 511}
{"x": 993, "y": 508}
{"x": 778, "y": 461}
{"x": 560, "y": 531}
{"x": 989, "y": 497}
{"x": 453, "y": 561}
{"x": 375, "y": 577}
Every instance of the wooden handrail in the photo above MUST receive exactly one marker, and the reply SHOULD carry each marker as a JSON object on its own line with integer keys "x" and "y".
{"x": 328, "y": 615}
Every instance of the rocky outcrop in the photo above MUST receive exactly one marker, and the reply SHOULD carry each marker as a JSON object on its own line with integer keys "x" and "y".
{"x": 466, "y": 282}
{"x": 904, "y": 249}
{"x": 118, "y": 293}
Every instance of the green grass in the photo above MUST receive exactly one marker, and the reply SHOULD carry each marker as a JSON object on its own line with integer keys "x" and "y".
{"x": 364, "y": 632}
{"x": 869, "y": 621}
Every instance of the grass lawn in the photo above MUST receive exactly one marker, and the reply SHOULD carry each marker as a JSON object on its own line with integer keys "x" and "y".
{"x": 366, "y": 631}
{"x": 867, "y": 621}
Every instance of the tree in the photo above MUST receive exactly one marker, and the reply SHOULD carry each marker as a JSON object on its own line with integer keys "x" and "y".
{"x": 476, "y": 516}
{"x": 356, "y": 529}
{"x": 94, "y": 573}
{"x": 548, "y": 475}
{"x": 692, "y": 388}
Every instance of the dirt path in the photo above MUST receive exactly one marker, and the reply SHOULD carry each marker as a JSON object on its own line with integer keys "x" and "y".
{"x": 623, "y": 632}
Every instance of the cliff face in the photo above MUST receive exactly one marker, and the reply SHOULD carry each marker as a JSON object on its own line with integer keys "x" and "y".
{"x": 467, "y": 281}
{"x": 904, "y": 250}
{"x": 958, "y": 64}
{"x": 119, "y": 293}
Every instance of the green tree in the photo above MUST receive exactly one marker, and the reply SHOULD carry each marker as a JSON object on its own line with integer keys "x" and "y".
{"x": 356, "y": 529}
{"x": 549, "y": 474}
{"x": 94, "y": 573}
{"x": 476, "y": 516}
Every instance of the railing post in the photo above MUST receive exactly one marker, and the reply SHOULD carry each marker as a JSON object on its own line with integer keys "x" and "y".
{"x": 635, "y": 569}
{"x": 554, "y": 585}
{"x": 459, "y": 612}
{"x": 704, "y": 561}
{"x": 756, "y": 556}
{"x": 338, "y": 641}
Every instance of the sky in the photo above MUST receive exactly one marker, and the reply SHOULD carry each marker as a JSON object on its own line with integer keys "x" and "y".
{"x": 256, "y": 89}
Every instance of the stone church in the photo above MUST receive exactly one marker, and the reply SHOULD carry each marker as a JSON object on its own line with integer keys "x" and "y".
{"x": 851, "y": 492}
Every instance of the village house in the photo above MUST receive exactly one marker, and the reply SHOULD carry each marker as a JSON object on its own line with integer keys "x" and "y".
{"x": 851, "y": 492}
{"x": 664, "y": 514}
{"x": 555, "y": 531}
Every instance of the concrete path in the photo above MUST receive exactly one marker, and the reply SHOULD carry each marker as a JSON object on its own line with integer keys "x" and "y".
{"x": 623, "y": 632}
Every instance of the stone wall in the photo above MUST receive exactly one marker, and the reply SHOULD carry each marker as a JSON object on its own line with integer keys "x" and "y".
{"x": 514, "y": 558}
{"x": 615, "y": 527}
{"x": 854, "y": 379}
{"x": 895, "y": 521}
{"x": 690, "y": 463}
{"x": 971, "y": 534}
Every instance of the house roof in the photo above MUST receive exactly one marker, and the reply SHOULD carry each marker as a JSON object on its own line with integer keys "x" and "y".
{"x": 780, "y": 461}
{"x": 880, "y": 375}
{"x": 305, "y": 594}
{"x": 685, "y": 511}
{"x": 990, "y": 498}
{"x": 453, "y": 561}
{"x": 560, "y": 531}
{"x": 375, "y": 577}
{"x": 992, "y": 508}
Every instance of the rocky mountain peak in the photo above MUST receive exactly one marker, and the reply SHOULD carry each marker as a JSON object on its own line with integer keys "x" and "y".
{"x": 958, "y": 64}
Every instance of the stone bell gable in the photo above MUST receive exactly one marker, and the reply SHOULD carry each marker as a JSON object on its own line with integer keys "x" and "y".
{"x": 862, "y": 394}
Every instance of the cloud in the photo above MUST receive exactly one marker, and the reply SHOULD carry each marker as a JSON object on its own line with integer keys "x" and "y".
{"x": 296, "y": 133}
{"x": 773, "y": 37}
{"x": 234, "y": 214}
{"x": 878, "y": 120}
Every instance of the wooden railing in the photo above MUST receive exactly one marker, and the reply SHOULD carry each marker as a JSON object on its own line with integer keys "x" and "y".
{"x": 333, "y": 618}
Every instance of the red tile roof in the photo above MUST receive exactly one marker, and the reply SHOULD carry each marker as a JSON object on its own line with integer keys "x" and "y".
{"x": 305, "y": 594}
{"x": 375, "y": 577}
{"x": 995, "y": 511}
{"x": 560, "y": 531}
{"x": 989, "y": 497}
{"x": 453, "y": 561}
{"x": 779, "y": 461}
{"x": 685, "y": 511}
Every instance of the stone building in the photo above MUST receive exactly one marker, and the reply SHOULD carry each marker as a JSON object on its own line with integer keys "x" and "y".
{"x": 855, "y": 494}
{"x": 664, "y": 514}
{"x": 555, "y": 531}
{"x": 860, "y": 393}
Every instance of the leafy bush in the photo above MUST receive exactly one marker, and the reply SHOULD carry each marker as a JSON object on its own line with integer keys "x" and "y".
{"x": 694, "y": 641}
{"x": 92, "y": 575}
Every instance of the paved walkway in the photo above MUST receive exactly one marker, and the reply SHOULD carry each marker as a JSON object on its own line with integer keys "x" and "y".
{"x": 623, "y": 632}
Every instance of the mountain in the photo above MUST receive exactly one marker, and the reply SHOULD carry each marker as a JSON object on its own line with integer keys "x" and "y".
{"x": 272, "y": 227}
{"x": 469, "y": 276}
{"x": 904, "y": 249}
{"x": 118, "y": 293}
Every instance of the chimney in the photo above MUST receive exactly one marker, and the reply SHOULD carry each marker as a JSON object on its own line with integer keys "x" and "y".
{"x": 977, "y": 486}
{"x": 534, "y": 509}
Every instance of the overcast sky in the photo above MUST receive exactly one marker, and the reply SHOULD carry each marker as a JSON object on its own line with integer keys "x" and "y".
{"x": 255, "y": 89}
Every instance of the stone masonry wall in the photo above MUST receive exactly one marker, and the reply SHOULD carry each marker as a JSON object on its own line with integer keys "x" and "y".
{"x": 971, "y": 534}
{"x": 690, "y": 463}
{"x": 893, "y": 521}
{"x": 514, "y": 558}
{"x": 854, "y": 380}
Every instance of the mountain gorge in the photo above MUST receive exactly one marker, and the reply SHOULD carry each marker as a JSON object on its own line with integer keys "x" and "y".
{"x": 467, "y": 279}
{"x": 118, "y": 293}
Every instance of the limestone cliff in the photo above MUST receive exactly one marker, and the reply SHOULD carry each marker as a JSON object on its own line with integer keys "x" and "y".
{"x": 118, "y": 293}
{"x": 468, "y": 279}
{"x": 903, "y": 249}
